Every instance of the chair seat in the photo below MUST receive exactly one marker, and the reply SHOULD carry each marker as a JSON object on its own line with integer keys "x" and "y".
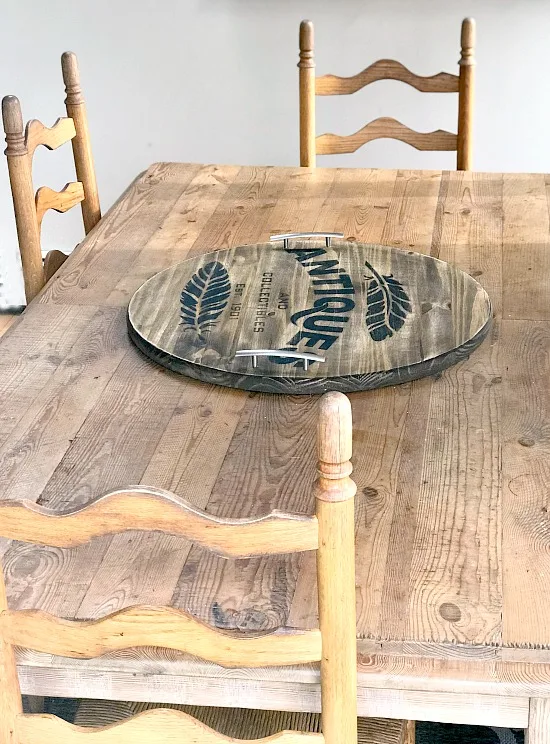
{"x": 244, "y": 723}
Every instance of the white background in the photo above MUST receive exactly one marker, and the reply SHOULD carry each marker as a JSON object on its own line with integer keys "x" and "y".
{"x": 216, "y": 81}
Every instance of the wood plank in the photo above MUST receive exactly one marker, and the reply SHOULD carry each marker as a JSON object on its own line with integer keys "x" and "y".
{"x": 30, "y": 357}
{"x": 455, "y": 591}
{"x": 467, "y": 708}
{"x": 156, "y": 509}
{"x": 526, "y": 247}
{"x": 158, "y": 726}
{"x": 468, "y": 228}
{"x": 385, "y": 69}
{"x": 525, "y": 477}
{"x": 177, "y": 234}
{"x": 51, "y": 421}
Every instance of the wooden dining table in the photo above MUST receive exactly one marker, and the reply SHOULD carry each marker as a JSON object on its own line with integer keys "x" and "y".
{"x": 453, "y": 471}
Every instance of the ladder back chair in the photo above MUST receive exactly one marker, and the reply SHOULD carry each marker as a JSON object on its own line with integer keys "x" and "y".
{"x": 385, "y": 127}
{"x": 30, "y": 207}
{"x": 330, "y": 532}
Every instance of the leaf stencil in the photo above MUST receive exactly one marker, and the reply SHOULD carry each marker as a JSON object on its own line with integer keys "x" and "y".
{"x": 387, "y": 305}
{"x": 204, "y": 298}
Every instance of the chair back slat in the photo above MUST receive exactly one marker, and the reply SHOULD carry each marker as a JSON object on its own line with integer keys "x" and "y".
{"x": 385, "y": 127}
{"x": 59, "y": 201}
{"x": 162, "y": 627}
{"x": 30, "y": 208}
{"x": 329, "y": 144}
{"x": 385, "y": 69}
{"x": 145, "y": 508}
{"x": 157, "y": 726}
{"x": 37, "y": 134}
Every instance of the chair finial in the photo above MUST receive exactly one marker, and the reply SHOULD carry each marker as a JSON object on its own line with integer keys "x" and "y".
{"x": 13, "y": 126}
{"x": 467, "y": 41}
{"x": 306, "y": 45}
{"x": 334, "y": 447}
{"x": 71, "y": 78}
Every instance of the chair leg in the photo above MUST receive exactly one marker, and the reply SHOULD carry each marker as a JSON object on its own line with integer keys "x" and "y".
{"x": 539, "y": 722}
{"x": 410, "y": 732}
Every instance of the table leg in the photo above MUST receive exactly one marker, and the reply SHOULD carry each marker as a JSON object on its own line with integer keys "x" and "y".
{"x": 410, "y": 732}
{"x": 539, "y": 721}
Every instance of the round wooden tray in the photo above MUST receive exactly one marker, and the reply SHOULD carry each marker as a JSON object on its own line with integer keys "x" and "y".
{"x": 307, "y": 316}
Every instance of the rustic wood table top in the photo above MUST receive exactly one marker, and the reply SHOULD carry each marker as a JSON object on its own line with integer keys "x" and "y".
{"x": 453, "y": 531}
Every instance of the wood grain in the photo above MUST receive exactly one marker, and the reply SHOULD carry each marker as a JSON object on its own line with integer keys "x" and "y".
{"x": 156, "y": 509}
{"x": 385, "y": 69}
{"x": 37, "y": 134}
{"x": 274, "y": 298}
{"x": 472, "y": 536}
{"x": 525, "y": 478}
{"x": 243, "y": 723}
{"x": 384, "y": 127}
{"x": 60, "y": 201}
{"x": 155, "y": 626}
{"x": 154, "y": 726}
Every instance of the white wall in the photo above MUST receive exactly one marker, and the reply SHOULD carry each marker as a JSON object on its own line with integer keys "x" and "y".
{"x": 216, "y": 81}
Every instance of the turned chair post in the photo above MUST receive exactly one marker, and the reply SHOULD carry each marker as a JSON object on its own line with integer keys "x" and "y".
{"x": 82, "y": 151}
{"x": 307, "y": 96}
{"x": 334, "y": 495}
{"x": 466, "y": 86}
{"x": 19, "y": 168}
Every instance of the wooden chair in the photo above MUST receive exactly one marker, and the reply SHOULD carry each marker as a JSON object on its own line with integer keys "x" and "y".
{"x": 387, "y": 69}
{"x": 30, "y": 208}
{"x": 330, "y": 532}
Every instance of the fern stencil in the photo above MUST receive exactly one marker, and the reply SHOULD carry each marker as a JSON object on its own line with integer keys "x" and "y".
{"x": 204, "y": 298}
{"x": 387, "y": 305}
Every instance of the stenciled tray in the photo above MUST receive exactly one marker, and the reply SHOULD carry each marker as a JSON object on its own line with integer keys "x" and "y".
{"x": 306, "y": 313}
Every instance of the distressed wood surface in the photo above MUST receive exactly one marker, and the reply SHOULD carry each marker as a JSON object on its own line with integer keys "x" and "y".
{"x": 451, "y": 471}
{"x": 157, "y": 726}
{"x": 370, "y": 315}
